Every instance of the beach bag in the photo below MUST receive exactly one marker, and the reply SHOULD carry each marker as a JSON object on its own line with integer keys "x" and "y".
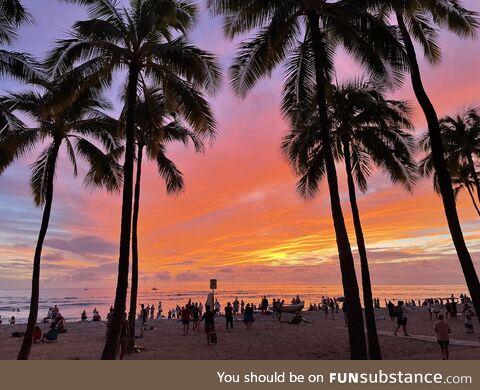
{"x": 213, "y": 338}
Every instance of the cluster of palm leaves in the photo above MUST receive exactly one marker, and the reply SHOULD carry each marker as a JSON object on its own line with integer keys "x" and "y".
{"x": 164, "y": 97}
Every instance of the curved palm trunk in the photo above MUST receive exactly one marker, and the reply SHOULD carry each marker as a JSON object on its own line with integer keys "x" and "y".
{"x": 358, "y": 348}
{"x": 444, "y": 178}
{"x": 374, "y": 351}
{"x": 111, "y": 344}
{"x": 134, "y": 286}
{"x": 32, "y": 316}
{"x": 473, "y": 199}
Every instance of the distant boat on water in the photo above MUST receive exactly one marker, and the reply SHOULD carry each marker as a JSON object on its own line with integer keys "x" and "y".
{"x": 154, "y": 289}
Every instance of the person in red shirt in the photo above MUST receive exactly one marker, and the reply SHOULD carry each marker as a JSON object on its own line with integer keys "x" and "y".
{"x": 37, "y": 334}
{"x": 185, "y": 319}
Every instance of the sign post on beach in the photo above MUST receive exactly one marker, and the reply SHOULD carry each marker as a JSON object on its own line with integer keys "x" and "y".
{"x": 213, "y": 286}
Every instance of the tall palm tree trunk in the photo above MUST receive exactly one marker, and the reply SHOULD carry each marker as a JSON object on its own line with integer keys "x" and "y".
{"x": 134, "y": 286}
{"x": 111, "y": 344}
{"x": 473, "y": 199}
{"x": 374, "y": 351}
{"x": 358, "y": 348}
{"x": 32, "y": 316}
{"x": 444, "y": 178}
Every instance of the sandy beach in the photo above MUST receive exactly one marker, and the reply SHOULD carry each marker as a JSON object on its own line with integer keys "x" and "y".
{"x": 269, "y": 339}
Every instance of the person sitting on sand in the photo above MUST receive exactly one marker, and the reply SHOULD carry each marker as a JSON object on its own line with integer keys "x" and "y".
{"x": 401, "y": 313}
{"x": 12, "y": 320}
{"x": 84, "y": 316}
{"x": 37, "y": 334}
{"x": 52, "y": 334}
{"x": 96, "y": 316}
{"x": 468, "y": 314}
{"x": 209, "y": 318}
{"x": 60, "y": 321}
{"x": 55, "y": 312}
{"x": 298, "y": 318}
{"x": 442, "y": 329}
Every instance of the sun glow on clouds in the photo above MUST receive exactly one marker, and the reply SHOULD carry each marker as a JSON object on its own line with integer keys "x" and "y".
{"x": 239, "y": 218}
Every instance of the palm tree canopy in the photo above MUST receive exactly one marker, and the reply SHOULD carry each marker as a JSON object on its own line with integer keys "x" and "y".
{"x": 282, "y": 35}
{"x": 157, "y": 126}
{"x": 423, "y": 19}
{"x": 461, "y": 142}
{"x": 81, "y": 125}
{"x": 369, "y": 124}
{"x": 149, "y": 35}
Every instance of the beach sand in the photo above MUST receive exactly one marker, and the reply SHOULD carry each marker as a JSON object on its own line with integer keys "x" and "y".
{"x": 268, "y": 339}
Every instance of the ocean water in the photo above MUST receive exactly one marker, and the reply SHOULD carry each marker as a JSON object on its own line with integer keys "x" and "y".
{"x": 73, "y": 301}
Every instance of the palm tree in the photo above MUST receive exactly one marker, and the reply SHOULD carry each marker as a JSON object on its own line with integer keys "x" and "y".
{"x": 156, "y": 126}
{"x": 461, "y": 144}
{"x": 18, "y": 65}
{"x": 418, "y": 20}
{"x": 366, "y": 130}
{"x": 461, "y": 139}
{"x": 462, "y": 179}
{"x": 325, "y": 25}
{"x": 139, "y": 40}
{"x": 75, "y": 124}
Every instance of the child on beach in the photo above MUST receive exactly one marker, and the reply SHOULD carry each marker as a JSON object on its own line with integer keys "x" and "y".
{"x": 442, "y": 329}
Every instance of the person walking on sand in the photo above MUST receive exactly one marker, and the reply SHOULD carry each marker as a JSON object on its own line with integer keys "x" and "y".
{"x": 280, "y": 309}
{"x": 185, "y": 319}
{"x": 209, "y": 318}
{"x": 229, "y": 315}
{"x": 442, "y": 330}
{"x": 401, "y": 313}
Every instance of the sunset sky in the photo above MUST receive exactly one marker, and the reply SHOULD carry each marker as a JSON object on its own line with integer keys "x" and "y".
{"x": 239, "y": 218}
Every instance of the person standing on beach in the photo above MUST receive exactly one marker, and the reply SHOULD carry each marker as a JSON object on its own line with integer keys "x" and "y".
{"x": 391, "y": 310}
{"x": 209, "y": 318}
{"x": 280, "y": 308}
{"x": 442, "y": 329}
{"x": 185, "y": 319}
{"x": 122, "y": 342}
{"x": 159, "y": 310}
{"x": 468, "y": 314}
{"x": 242, "y": 307}
{"x": 217, "y": 307}
{"x": 402, "y": 318}
{"x": 229, "y": 315}
{"x": 236, "y": 305}
{"x": 152, "y": 311}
